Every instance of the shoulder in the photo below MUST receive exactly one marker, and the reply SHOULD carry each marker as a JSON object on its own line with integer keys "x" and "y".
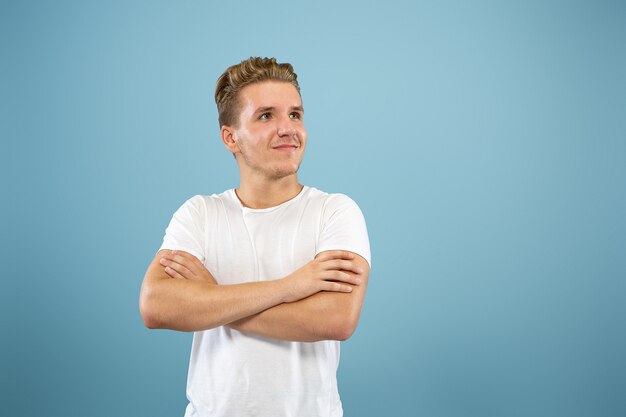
{"x": 338, "y": 203}
{"x": 343, "y": 226}
{"x": 338, "y": 200}
{"x": 335, "y": 207}
{"x": 204, "y": 203}
{"x": 331, "y": 201}
{"x": 201, "y": 209}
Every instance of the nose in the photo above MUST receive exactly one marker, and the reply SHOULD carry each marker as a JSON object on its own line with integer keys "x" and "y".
{"x": 286, "y": 131}
{"x": 285, "y": 128}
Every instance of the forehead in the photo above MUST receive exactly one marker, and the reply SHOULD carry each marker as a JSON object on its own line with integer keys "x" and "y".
{"x": 269, "y": 94}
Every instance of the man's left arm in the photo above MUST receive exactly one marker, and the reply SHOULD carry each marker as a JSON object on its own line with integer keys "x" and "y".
{"x": 322, "y": 316}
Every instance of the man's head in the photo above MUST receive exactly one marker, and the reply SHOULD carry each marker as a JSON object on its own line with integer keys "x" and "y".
{"x": 260, "y": 111}
{"x": 247, "y": 72}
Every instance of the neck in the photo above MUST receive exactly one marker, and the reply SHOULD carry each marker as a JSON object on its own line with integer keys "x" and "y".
{"x": 264, "y": 193}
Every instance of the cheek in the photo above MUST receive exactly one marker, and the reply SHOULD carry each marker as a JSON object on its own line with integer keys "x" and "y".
{"x": 302, "y": 134}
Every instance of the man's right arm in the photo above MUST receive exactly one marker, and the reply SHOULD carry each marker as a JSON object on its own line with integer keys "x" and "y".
{"x": 192, "y": 305}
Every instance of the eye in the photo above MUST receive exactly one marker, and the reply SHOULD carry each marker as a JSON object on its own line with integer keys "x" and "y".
{"x": 295, "y": 115}
{"x": 264, "y": 116}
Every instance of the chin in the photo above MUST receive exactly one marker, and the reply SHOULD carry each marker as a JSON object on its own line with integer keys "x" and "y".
{"x": 283, "y": 172}
{"x": 277, "y": 175}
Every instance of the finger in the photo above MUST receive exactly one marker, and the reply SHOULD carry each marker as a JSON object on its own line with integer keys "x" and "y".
{"x": 179, "y": 257}
{"x": 186, "y": 255}
{"x": 336, "y": 287}
{"x": 172, "y": 273}
{"x": 181, "y": 269}
{"x": 343, "y": 265}
{"x": 343, "y": 277}
{"x": 186, "y": 259}
{"x": 334, "y": 254}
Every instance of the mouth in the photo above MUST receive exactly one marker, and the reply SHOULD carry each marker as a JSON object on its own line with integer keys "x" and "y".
{"x": 287, "y": 147}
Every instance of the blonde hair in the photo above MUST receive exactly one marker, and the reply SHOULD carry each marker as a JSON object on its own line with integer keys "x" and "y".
{"x": 236, "y": 77}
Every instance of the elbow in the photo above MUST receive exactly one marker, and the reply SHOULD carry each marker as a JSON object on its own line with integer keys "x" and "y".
{"x": 150, "y": 320}
{"x": 149, "y": 317}
{"x": 342, "y": 334}
{"x": 341, "y": 321}
{"x": 342, "y": 328}
{"x": 148, "y": 310}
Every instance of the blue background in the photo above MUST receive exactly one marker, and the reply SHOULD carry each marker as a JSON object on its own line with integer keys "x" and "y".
{"x": 484, "y": 141}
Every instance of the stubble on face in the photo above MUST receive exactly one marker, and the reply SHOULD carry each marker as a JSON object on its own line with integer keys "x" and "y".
{"x": 257, "y": 140}
{"x": 275, "y": 172}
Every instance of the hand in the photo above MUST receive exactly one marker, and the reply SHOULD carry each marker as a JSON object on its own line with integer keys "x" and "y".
{"x": 330, "y": 271}
{"x": 183, "y": 265}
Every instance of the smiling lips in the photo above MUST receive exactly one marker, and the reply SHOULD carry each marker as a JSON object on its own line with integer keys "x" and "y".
{"x": 286, "y": 147}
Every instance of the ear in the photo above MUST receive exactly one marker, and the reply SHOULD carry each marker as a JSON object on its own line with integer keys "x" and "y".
{"x": 228, "y": 137}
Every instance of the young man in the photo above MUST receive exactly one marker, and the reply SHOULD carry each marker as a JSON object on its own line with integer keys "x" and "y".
{"x": 270, "y": 276}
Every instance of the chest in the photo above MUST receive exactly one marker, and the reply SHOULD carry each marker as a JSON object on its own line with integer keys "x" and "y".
{"x": 243, "y": 246}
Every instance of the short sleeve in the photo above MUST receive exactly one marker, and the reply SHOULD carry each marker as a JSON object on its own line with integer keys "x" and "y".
{"x": 186, "y": 229}
{"x": 343, "y": 227}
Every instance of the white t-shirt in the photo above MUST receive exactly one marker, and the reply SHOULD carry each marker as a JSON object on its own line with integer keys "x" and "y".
{"x": 234, "y": 374}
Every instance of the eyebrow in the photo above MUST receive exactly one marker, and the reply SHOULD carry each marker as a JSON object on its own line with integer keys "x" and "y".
{"x": 269, "y": 109}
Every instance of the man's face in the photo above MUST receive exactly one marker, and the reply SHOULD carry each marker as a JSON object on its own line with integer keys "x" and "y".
{"x": 271, "y": 136}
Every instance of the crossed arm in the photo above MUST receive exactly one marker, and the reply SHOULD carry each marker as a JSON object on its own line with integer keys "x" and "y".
{"x": 320, "y": 301}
